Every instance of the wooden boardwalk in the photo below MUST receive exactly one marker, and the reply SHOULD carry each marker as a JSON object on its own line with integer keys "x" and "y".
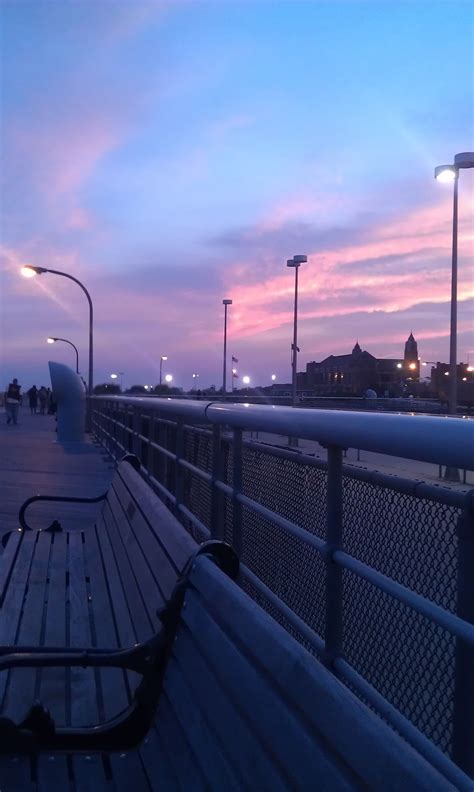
{"x": 32, "y": 462}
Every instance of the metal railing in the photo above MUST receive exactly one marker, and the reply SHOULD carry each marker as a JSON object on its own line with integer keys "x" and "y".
{"x": 373, "y": 573}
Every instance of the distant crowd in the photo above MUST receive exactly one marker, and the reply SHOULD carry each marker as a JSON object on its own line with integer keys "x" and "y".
{"x": 41, "y": 401}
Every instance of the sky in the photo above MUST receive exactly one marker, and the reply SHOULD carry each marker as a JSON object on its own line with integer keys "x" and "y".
{"x": 173, "y": 154}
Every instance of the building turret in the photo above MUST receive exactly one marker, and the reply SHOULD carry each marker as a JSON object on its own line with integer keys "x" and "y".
{"x": 412, "y": 363}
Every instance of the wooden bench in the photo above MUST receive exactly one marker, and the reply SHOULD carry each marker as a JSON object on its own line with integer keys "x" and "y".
{"x": 234, "y": 702}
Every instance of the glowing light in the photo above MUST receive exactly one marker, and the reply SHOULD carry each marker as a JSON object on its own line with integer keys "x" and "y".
{"x": 412, "y": 366}
{"x": 168, "y": 378}
{"x": 445, "y": 174}
{"x": 164, "y": 357}
{"x": 470, "y": 368}
{"x": 446, "y": 373}
{"x": 246, "y": 380}
{"x": 114, "y": 376}
{"x": 28, "y": 272}
{"x": 50, "y": 340}
{"x": 399, "y": 365}
{"x": 464, "y": 379}
{"x": 274, "y": 376}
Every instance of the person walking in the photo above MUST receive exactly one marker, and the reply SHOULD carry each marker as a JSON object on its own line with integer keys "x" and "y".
{"x": 43, "y": 398}
{"x": 12, "y": 401}
{"x": 33, "y": 397}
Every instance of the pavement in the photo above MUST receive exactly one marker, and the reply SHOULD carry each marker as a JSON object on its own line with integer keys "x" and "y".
{"x": 395, "y": 466}
{"x": 33, "y": 462}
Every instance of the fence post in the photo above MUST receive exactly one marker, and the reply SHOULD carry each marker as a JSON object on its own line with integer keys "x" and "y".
{"x": 334, "y": 593}
{"x": 217, "y": 497}
{"x": 463, "y": 714}
{"x": 136, "y": 431}
{"x": 179, "y": 470}
{"x": 237, "y": 488}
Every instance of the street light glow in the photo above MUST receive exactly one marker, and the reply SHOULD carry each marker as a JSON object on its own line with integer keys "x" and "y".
{"x": 50, "y": 340}
{"x": 114, "y": 376}
{"x": 246, "y": 380}
{"x": 274, "y": 376}
{"x": 399, "y": 365}
{"x": 28, "y": 272}
{"x": 168, "y": 378}
{"x": 164, "y": 357}
{"x": 412, "y": 366}
{"x": 445, "y": 174}
{"x": 470, "y": 368}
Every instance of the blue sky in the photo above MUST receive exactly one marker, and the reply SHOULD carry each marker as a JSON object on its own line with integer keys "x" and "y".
{"x": 172, "y": 154}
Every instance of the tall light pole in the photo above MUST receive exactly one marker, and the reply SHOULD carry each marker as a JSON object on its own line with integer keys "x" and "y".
{"x": 225, "y": 303}
{"x": 295, "y": 262}
{"x": 28, "y": 272}
{"x": 53, "y": 339}
{"x": 450, "y": 173}
{"x": 162, "y": 358}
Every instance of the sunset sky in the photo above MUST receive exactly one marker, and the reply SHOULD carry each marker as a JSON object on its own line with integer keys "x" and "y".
{"x": 172, "y": 154}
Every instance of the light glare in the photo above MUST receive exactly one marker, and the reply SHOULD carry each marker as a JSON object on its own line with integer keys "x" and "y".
{"x": 446, "y": 175}
{"x": 27, "y": 272}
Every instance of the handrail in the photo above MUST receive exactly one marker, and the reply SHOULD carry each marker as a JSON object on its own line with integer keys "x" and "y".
{"x": 436, "y": 439}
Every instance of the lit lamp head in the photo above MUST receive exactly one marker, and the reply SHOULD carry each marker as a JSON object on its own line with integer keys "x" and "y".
{"x": 28, "y": 271}
{"x": 399, "y": 365}
{"x": 114, "y": 376}
{"x": 164, "y": 357}
{"x": 246, "y": 380}
{"x": 274, "y": 376}
{"x": 449, "y": 173}
{"x": 51, "y": 340}
{"x": 169, "y": 378}
{"x": 412, "y": 366}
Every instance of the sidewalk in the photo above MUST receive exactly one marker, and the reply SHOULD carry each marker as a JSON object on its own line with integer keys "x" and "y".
{"x": 395, "y": 466}
{"x": 32, "y": 462}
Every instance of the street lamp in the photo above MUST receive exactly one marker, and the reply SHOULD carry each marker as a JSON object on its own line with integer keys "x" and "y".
{"x": 162, "y": 358}
{"x": 168, "y": 378}
{"x": 246, "y": 380}
{"x": 53, "y": 339}
{"x": 274, "y": 376}
{"x": 225, "y": 303}
{"x": 195, "y": 376}
{"x": 450, "y": 173}
{"x": 29, "y": 271}
{"x": 295, "y": 262}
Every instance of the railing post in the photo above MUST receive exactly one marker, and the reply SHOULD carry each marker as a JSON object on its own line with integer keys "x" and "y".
{"x": 179, "y": 470}
{"x": 136, "y": 431}
{"x": 463, "y": 714}
{"x": 217, "y": 497}
{"x": 334, "y": 593}
{"x": 237, "y": 488}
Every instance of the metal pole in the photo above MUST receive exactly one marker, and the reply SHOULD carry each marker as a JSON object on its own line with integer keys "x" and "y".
{"x": 161, "y": 368}
{"x": 452, "y": 392}
{"x": 91, "y": 344}
{"x": 295, "y": 338}
{"x": 224, "y": 383}
{"x": 75, "y": 349}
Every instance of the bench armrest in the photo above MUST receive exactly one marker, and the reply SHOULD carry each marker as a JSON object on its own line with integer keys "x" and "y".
{"x": 56, "y": 499}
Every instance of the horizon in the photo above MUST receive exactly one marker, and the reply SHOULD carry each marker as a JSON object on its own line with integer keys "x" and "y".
{"x": 171, "y": 155}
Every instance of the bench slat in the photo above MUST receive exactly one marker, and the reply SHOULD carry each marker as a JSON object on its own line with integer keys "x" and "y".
{"x": 173, "y": 537}
{"x": 158, "y": 767}
{"x": 12, "y": 604}
{"x": 150, "y": 593}
{"x": 135, "y": 604}
{"x": 22, "y": 684}
{"x": 15, "y": 774}
{"x": 178, "y": 751}
{"x": 278, "y": 733}
{"x": 164, "y": 542}
{"x": 360, "y": 740}
{"x": 7, "y": 560}
{"x": 213, "y": 763}
{"x": 84, "y": 708}
{"x": 113, "y": 682}
{"x": 231, "y": 733}
{"x": 53, "y": 773}
{"x": 53, "y": 680}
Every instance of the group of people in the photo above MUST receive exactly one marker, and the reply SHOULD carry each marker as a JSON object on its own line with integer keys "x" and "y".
{"x": 39, "y": 397}
{"x": 42, "y": 398}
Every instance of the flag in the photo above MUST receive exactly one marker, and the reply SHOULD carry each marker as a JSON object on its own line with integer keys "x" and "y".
{"x": 234, "y": 359}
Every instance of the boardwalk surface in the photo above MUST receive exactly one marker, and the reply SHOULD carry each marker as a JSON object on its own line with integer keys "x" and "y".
{"x": 32, "y": 462}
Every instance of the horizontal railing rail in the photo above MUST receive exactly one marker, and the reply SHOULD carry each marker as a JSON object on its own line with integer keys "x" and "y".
{"x": 374, "y": 573}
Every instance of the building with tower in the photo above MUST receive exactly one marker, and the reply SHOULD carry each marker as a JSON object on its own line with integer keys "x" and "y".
{"x": 353, "y": 374}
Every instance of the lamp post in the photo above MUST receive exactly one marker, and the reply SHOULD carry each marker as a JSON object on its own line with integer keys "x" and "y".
{"x": 195, "y": 376}
{"x": 450, "y": 173}
{"x": 53, "y": 339}
{"x": 28, "y": 272}
{"x": 162, "y": 358}
{"x": 225, "y": 303}
{"x": 295, "y": 262}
